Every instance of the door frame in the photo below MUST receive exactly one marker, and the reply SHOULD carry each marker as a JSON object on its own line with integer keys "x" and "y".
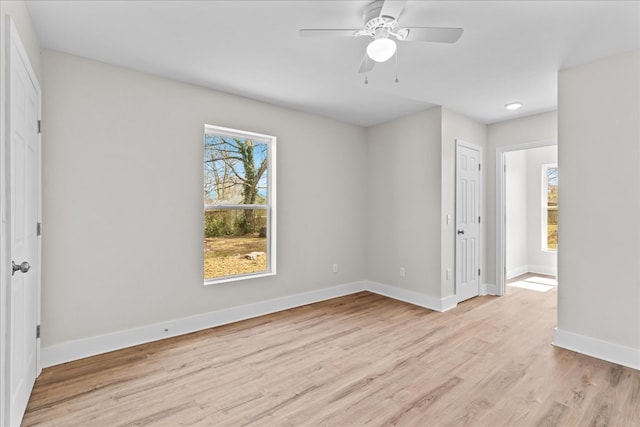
{"x": 481, "y": 254}
{"x": 501, "y": 206}
{"x": 15, "y": 45}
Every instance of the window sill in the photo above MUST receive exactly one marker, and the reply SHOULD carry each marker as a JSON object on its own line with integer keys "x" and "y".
{"x": 237, "y": 278}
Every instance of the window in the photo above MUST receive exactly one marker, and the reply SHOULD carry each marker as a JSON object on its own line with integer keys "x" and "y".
{"x": 550, "y": 207}
{"x": 239, "y": 204}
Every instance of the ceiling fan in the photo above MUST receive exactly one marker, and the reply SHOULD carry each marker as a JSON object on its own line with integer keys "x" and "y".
{"x": 381, "y": 24}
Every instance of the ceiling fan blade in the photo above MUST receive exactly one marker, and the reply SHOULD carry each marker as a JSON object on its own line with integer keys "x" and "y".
{"x": 366, "y": 64}
{"x": 430, "y": 34}
{"x": 392, "y": 8}
{"x": 327, "y": 32}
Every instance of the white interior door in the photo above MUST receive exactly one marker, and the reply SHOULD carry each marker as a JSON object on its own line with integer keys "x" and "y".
{"x": 468, "y": 196}
{"x": 24, "y": 211}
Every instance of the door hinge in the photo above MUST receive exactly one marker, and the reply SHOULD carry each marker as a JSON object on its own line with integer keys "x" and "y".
{"x": 39, "y": 126}
{"x": 39, "y": 229}
{"x": 478, "y": 272}
{"x": 479, "y": 166}
{"x": 37, "y": 331}
{"x": 478, "y": 220}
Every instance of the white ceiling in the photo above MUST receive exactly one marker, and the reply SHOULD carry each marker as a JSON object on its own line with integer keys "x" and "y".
{"x": 510, "y": 50}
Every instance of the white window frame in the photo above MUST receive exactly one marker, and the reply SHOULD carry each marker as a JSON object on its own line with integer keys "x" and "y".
{"x": 270, "y": 207}
{"x": 545, "y": 185}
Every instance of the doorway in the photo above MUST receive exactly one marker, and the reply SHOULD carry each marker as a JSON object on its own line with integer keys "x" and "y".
{"x": 527, "y": 207}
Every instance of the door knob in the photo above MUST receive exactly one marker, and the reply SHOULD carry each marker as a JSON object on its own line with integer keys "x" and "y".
{"x": 460, "y": 231}
{"x": 23, "y": 268}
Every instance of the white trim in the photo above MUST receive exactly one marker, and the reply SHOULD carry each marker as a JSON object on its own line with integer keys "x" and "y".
{"x": 534, "y": 269}
{"x": 517, "y": 271}
{"x": 237, "y": 133}
{"x": 492, "y": 289}
{"x": 605, "y": 350}
{"x": 91, "y": 346}
{"x": 412, "y": 297}
{"x": 543, "y": 269}
{"x": 270, "y": 207}
{"x": 78, "y": 349}
{"x": 500, "y": 206}
{"x": 227, "y": 279}
{"x": 448, "y": 303}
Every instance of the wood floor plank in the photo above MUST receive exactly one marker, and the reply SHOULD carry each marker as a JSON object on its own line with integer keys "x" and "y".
{"x": 358, "y": 360}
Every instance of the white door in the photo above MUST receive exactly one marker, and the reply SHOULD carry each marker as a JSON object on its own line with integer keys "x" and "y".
{"x": 24, "y": 177}
{"x": 468, "y": 196}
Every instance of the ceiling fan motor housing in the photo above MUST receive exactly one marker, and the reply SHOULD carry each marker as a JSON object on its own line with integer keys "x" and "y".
{"x": 373, "y": 20}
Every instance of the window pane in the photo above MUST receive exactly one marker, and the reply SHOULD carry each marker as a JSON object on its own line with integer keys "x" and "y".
{"x": 235, "y": 242}
{"x": 552, "y": 208}
{"x": 239, "y": 204}
{"x": 235, "y": 170}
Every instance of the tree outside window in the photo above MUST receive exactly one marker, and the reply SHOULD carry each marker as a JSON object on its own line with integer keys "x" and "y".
{"x": 550, "y": 217}
{"x": 239, "y": 216}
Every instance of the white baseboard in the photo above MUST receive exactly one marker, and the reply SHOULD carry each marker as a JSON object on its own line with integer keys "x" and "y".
{"x": 78, "y": 349}
{"x": 86, "y": 347}
{"x": 412, "y": 297}
{"x": 488, "y": 289}
{"x": 517, "y": 271}
{"x": 535, "y": 269}
{"x": 447, "y": 303}
{"x": 611, "y": 352}
{"x": 543, "y": 269}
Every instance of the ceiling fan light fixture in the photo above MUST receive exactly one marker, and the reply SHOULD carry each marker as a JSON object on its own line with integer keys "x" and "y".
{"x": 381, "y": 49}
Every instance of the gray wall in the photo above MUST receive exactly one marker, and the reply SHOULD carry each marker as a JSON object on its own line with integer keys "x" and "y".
{"x": 122, "y": 205}
{"x": 121, "y": 199}
{"x": 20, "y": 16}
{"x": 599, "y": 157}
{"x": 411, "y": 176}
{"x": 516, "y": 212}
{"x": 403, "y": 202}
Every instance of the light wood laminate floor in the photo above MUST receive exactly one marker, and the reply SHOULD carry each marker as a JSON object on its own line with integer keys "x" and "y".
{"x": 358, "y": 360}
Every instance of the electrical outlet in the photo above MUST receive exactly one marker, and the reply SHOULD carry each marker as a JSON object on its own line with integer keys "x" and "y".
{"x": 402, "y": 272}
{"x": 335, "y": 268}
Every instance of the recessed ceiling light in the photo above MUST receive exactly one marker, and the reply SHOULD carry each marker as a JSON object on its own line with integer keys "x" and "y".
{"x": 513, "y": 105}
